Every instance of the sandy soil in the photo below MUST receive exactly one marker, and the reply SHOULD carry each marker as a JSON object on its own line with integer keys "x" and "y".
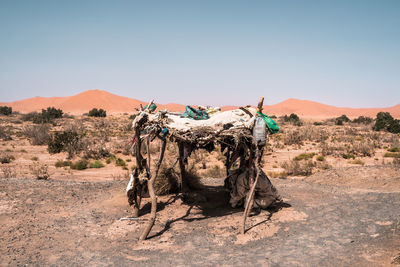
{"x": 75, "y": 223}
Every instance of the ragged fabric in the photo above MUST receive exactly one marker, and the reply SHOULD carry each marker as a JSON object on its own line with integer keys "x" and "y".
{"x": 237, "y": 183}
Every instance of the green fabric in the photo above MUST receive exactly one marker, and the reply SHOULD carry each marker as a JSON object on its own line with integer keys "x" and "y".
{"x": 196, "y": 114}
{"x": 152, "y": 107}
{"x": 271, "y": 124}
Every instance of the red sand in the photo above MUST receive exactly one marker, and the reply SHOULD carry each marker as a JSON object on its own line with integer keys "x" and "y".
{"x": 112, "y": 103}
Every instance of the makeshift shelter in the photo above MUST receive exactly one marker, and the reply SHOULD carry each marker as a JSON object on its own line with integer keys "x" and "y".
{"x": 240, "y": 134}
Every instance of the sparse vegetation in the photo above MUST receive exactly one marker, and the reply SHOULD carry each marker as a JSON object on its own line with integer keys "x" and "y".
{"x": 304, "y": 156}
{"x": 6, "y": 158}
{"x": 40, "y": 171}
{"x": 295, "y": 167}
{"x": 392, "y": 155}
{"x": 79, "y": 165}
{"x": 5, "y": 110}
{"x": 385, "y": 121}
{"x": 96, "y": 164}
{"x": 340, "y": 120}
{"x": 363, "y": 120}
{"x": 68, "y": 141}
{"x": 97, "y": 113}
{"x": 37, "y": 134}
{"x": 62, "y": 163}
{"x": 293, "y": 119}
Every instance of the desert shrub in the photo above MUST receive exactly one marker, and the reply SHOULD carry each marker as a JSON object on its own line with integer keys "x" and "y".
{"x": 4, "y": 110}
{"x": 294, "y": 167}
{"x": 29, "y": 116}
{"x": 341, "y": 119}
{"x": 392, "y": 155}
{"x": 97, "y": 113}
{"x": 304, "y": 156}
{"x": 320, "y": 158}
{"x": 293, "y": 119}
{"x": 34, "y": 158}
{"x": 348, "y": 156}
{"x": 357, "y": 161}
{"x": 5, "y": 133}
{"x": 96, "y": 164}
{"x": 132, "y": 117}
{"x": 40, "y": 171}
{"x": 318, "y": 123}
{"x": 96, "y": 151}
{"x": 120, "y": 162}
{"x": 365, "y": 149}
{"x": 37, "y": 134}
{"x": 394, "y": 149}
{"x": 335, "y": 150}
{"x": 8, "y": 172}
{"x": 62, "y": 163}
{"x": 6, "y": 158}
{"x": 47, "y": 115}
{"x": 215, "y": 172}
{"x": 293, "y": 138}
{"x": 167, "y": 181}
{"x": 68, "y": 141}
{"x": 385, "y": 121}
{"x": 79, "y": 165}
{"x": 363, "y": 120}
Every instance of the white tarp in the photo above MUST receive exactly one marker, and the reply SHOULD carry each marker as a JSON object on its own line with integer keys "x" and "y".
{"x": 237, "y": 117}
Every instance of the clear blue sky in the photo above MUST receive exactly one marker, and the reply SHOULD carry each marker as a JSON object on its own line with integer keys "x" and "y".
{"x": 344, "y": 53}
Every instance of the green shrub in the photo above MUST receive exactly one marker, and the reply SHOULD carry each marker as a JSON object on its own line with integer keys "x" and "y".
{"x": 304, "y": 156}
{"x": 392, "y": 155}
{"x": 363, "y": 120}
{"x": 385, "y": 121}
{"x": 97, "y": 113}
{"x": 394, "y": 149}
{"x": 79, "y": 165}
{"x": 132, "y": 117}
{"x": 294, "y": 167}
{"x": 4, "y": 110}
{"x": 96, "y": 164}
{"x": 47, "y": 115}
{"x": 320, "y": 158}
{"x": 120, "y": 162}
{"x": 348, "y": 156}
{"x": 68, "y": 141}
{"x": 341, "y": 119}
{"x": 293, "y": 119}
{"x": 6, "y": 158}
{"x": 62, "y": 163}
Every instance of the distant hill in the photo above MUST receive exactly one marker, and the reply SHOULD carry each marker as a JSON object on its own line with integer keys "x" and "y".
{"x": 83, "y": 102}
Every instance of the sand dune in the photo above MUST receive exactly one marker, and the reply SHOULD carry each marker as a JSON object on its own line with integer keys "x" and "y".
{"x": 83, "y": 102}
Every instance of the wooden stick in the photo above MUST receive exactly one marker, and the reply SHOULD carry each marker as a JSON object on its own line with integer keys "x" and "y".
{"x": 153, "y": 196}
{"x": 253, "y": 184}
{"x": 260, "y": 104}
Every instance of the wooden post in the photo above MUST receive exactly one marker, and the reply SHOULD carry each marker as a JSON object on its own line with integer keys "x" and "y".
{"x": 150, "y": 185}
{"x": 253, "y": 183}
{"x": 182, "y": 165}
{"x": 260, "y": 104}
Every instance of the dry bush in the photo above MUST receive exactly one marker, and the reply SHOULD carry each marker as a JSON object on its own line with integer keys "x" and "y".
{"x": 6, "y": 158}
{"x": 95, "y": 150}
{"x": 37, "y": 134}
{"x": 215, "y": 172}
{"x": 293, "y": 138}
{"x": 40, "y": 171}
{"x": 365, "y": 149}
{"x": 8, "y": 172}
{"x": 293, "y": 167}
{"x": 167, "y": 181}
{"x": 327, "y": 149}
{"x": 5, "y": 133}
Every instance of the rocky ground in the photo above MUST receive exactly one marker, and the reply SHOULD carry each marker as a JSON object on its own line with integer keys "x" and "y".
{"x": 76, "y": 223}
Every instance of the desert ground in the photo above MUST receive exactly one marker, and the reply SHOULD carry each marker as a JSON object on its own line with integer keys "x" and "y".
{"x": 340, "y": 186}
